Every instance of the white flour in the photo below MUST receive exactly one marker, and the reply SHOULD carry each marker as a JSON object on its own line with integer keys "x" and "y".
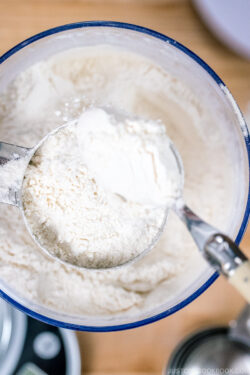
{"x": 58, "y": 90}
{"x": 11, "y": 177}
{"x": 96, "y": 192}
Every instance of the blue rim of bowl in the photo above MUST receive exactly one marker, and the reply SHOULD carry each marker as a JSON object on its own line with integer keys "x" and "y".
{"x": 216, "y": 78}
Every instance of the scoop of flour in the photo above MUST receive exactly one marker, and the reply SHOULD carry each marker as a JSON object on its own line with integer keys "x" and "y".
{"x": 97, "y": 191}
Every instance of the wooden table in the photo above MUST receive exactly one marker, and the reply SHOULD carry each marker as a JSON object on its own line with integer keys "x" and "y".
{"x": 143, "y": 350}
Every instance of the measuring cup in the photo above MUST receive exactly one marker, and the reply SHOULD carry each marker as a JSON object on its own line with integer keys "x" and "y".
{"x": 218, "y": 249}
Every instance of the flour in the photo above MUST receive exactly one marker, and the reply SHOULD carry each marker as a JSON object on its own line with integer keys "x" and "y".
{"x": 11, "y": 177}
{"x": 59, "y": 90}
{"x": 96, "y": 192}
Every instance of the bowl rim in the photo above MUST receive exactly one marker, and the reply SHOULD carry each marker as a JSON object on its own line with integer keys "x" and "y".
{"x": 245, "y": 133}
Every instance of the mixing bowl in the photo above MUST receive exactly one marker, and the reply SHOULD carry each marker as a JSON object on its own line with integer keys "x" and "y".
{"x": 203, "y": 81}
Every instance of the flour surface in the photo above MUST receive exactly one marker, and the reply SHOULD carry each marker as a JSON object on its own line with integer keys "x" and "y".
{"x": 60, "y": 89}
{"x": 96, "y": 192}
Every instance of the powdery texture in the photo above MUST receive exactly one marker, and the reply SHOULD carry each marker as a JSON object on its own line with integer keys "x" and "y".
{"x": 96, "y": 192}
{"x": 56, "y": 91}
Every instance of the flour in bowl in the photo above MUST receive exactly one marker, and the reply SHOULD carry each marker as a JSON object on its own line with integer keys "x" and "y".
{"x": 96, "y": 192}
{"x": 61, "y": 88}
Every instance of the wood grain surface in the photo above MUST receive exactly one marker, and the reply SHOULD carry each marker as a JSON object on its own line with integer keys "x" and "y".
{"x": 143, "y": 350}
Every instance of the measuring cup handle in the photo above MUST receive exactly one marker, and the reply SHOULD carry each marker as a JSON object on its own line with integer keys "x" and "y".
{"x": 240, "y": 279}
{"x": 218, "y": 249}
{"x": 226, "y": 256}
{"x": 13, "y": 162}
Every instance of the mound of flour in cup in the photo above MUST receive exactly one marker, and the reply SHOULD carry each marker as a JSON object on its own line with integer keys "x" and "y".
{"x": 95, "y": 194}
